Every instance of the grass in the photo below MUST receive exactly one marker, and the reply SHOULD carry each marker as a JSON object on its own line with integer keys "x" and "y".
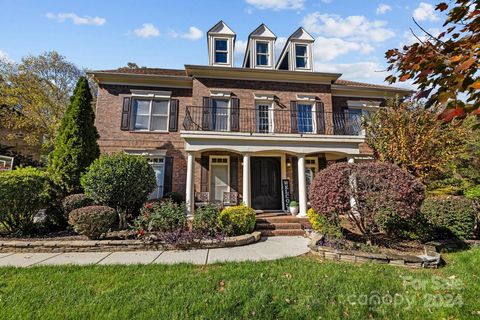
{"x": 294, "y": 288}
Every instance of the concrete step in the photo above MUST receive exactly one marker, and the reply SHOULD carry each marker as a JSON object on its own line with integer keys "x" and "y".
{"x": 282, "y": 232}
{"x": 281, "y": 219}
{"x": 284, "y": 225}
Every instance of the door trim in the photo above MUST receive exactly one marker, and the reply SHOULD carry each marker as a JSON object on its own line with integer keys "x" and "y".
{"x": 210, "y": 163}
{"x": 280, "y": 171}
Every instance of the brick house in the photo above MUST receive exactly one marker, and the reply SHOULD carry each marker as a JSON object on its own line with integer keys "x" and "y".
{"x": 255, "y": 134}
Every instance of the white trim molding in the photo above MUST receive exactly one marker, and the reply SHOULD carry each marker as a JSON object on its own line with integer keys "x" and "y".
{"x": 151, "y": 94}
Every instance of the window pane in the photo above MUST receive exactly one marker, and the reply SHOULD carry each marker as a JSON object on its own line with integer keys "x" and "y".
{"x": 262, "y": 47}
{"x": 300, "y": 51}
{"x": 159, "y": 123}
{"x": 160, "y": 107}
{"x": 141, "y": 122}
{"x": 141, "y": 107}
{"x": 221, "y": 57}
{"x": 262, "y": 60}
{"x": 263, "y": 118}
{"x": 220, "y": 104}
{"x": 301, "y": 62}
{"x": 221, "y": 44}
{"x": 305, "y": 120}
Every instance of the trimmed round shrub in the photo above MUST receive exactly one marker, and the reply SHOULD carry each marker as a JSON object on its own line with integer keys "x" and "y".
{"x": 92, "y": 221}
{"x": 164, "y": 216}
{"x": 23, "y": 192}
{"x": 205, "y": 220}
{"x": 451, "y": 216}
{"x": 75, "y": 201}
{"x": 237, "y": 220}
{"x": 174, "y": 196}
{"x": 362, "y": 191}
{"x": 120, "y": 181}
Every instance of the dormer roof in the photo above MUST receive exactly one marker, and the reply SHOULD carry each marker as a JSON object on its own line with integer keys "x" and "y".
{"x": 302, "y": 35}
{"x": 262, "y": 32}
{"x": 286, "y": 60}
{"x": 221, "y": 28}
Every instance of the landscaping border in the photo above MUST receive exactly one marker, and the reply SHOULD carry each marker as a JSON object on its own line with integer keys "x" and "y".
{"x": 405, "y": 260}
{"x": 122, "y": 245}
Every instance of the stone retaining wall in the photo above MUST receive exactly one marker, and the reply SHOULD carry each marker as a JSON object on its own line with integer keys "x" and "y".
{"x": 422, "y": 261}
{"x": 120, "y": 245}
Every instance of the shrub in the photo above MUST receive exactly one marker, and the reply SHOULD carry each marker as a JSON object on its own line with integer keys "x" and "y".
{"x": 174, "y": 196}
{"x": 416, "y": 228}
{"x": 205, "y": 220}
{"x": 92, "y": 221}
{"x": 75, "y": 201}
{"x": 473, "y": 193}
{"x": 23, "y": 192}
{"x": 320, "y": 223}
{"x": 161, "y": 216}
{"x": 120, "y": 181}
{"x": 361, "y": 191}
{"x": 237, "y": 220}
{"x": 451, "y": 216}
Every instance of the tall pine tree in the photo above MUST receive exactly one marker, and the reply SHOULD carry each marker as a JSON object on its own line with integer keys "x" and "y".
{"x": 76, "y": 143}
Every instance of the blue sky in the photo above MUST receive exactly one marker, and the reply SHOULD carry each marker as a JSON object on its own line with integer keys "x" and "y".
{"x": 351, "y": 35}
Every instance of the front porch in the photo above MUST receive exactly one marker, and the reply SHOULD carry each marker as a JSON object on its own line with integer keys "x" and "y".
{"x": 266, "y": 180}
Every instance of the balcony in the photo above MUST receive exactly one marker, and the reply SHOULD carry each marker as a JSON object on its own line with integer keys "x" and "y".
{"x": 267, "y": 121}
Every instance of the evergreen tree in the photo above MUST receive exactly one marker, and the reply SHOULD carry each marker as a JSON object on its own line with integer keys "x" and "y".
{"x": 76, "y": 143}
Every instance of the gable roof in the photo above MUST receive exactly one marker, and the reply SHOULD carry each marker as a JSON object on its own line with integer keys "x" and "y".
{"x": 301, "y": 34}
{"x": 221, "y": 28}
{"x": 262, "y": 31}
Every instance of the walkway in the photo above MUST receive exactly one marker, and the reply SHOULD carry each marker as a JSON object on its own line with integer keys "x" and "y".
{"x": 267, "y": 249}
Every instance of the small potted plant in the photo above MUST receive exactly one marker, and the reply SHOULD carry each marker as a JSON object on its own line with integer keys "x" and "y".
{"x": 293, "y": 206}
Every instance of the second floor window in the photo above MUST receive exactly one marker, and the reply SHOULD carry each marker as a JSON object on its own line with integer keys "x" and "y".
{"x": 262, "y": 53}
{"x": 301, "y": 56}
{"x": 306, "y": 121}
{"x": 150, "y": 114}
{"x": 220, "y": 115}
{"x": 221, "y": 51}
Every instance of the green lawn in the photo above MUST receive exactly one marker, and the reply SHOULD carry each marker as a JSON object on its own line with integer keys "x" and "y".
{"x": 294, "y": 288}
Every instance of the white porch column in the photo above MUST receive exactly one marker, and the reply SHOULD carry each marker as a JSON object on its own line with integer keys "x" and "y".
{"x": 189, "y": 196}
{"x": 302, "y": 187}
{"x": 246, "y": 179}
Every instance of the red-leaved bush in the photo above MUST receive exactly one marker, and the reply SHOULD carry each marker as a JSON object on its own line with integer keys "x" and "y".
{"x": 363, "y": 191}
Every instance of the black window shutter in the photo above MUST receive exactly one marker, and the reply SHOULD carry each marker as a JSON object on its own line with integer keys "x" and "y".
{"x": 233, "y": 173}
{"x": 293, "y": 117}
{"x": 235, "y": 114}
{"x": 125, "y": 124}
{"x": 322, "y": 163}
{"x": 173, "y": 118}
{"x": 320, "y": 110}
{"x": 204, "y": 162}
{"x": 168, "y": 177}
{"x": 207, "y": 114}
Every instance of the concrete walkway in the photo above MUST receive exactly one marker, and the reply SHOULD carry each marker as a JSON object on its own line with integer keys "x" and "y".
{"x": 266, "y": 249}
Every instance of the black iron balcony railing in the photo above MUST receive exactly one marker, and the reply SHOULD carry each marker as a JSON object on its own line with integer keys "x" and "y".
{"x": 266, "y": 120}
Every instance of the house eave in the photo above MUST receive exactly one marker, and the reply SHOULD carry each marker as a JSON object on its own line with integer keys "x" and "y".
{"x": 141, "y": 79}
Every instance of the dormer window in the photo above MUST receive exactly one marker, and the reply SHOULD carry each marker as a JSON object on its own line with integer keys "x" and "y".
{"x": 301, "y": 56}
{"x": 221, "y": 42}
{"x": 262, "y": 53}
{"x": 221, "y": 51}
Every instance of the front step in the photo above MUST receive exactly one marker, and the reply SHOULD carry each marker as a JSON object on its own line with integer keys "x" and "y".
{"x": 282, "y": 232}
{"x": 275, "y": 226}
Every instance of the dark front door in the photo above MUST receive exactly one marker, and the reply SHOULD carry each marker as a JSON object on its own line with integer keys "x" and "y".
{"x": 266, "y": 183}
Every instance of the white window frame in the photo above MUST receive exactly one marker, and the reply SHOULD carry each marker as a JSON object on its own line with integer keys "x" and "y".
{"x": 306, "y": 56}
{"x": 268, "y": 54}
{"x": 158, "y": 161}
{"x": 271, "y": 114}
{"x": 229, "y": 109}
{"x": 227, "y": 51}
{"x": 314, "y": 116}
{"x": 210, "y": 160}
{"x": 134, "y": 115}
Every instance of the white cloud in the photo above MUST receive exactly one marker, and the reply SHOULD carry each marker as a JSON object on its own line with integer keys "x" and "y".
{"x": 240, "y": 46}
{"x": 425, "y": 12}
{"x": 4, "y": 57}
{"x": 327, "y": 1}
{"x": 277, "y": 4}
{"x": 357, "y": 28}
{"x": 147, "y": 30}
{"x": 279, "y": 44}
{"x": 193, "y": 34}
{"x": 85, "y": 20}
{"x": 409, "y": 38}
{"x": 362, "y": 71}
{"x": 383, "y": 8}
{"x": 327, "y": 49}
